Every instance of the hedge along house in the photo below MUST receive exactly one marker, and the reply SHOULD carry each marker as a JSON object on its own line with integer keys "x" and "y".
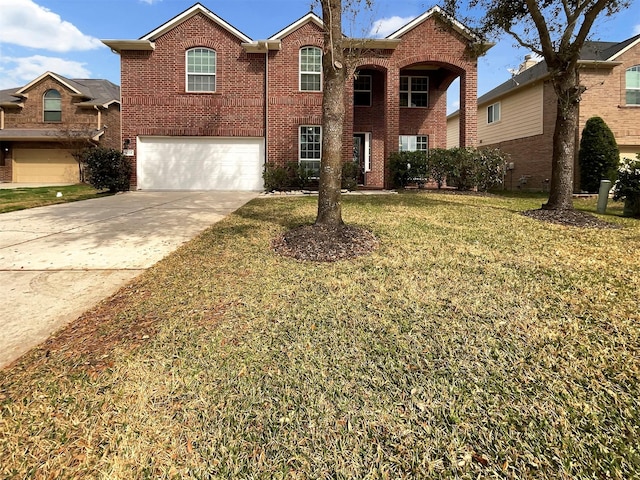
{"x": 204, "y": 107}
{"x": 45, "y": 123}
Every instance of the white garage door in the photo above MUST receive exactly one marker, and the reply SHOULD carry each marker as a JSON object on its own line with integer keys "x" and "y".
{"x": 200, "y": 163}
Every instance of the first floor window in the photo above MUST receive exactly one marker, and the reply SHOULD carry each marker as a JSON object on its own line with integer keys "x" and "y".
{"x": 633, "y": 85}
{"x": 310, "y": 149}
{"x": 52, "y": 106}
{"x": 414, "y": 91}
{"x": 201, "y": 70}
{"x": 413, "y": 143}
{"x": 493, "y": 113}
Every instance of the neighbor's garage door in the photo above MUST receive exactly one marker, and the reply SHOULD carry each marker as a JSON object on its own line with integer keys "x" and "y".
{"x": 199, "y": 163}
{"x": 44, "y": 165}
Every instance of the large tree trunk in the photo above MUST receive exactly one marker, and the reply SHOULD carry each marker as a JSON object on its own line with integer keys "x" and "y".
{"x": 329, "y": 200}
{"x": 568, "y": 92}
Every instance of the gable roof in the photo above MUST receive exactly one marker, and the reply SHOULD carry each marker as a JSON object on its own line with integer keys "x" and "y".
{"x": 602, "y": 53}
{"x": 186, "y": 15}
{"x": 308, "y": 18}
{"x": 92, "y": 92}
{"x": 457, "y": 26}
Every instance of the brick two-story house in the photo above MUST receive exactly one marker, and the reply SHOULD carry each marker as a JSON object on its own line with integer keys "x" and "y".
{"x": 45, "y": 122}
{"x": 205, "y": 107}
{"x": 519, "y": 115}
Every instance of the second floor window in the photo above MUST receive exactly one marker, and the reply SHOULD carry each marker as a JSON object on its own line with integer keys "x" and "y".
{"x": 362, "y": 91}
{"x": 493, "y": 113}
{"x": 633, "y": 85}
{"x": 201, "y": 70}
{"x": 414, "y": 91}
{"x": 310, "y": 69}
{"x": 52, "y": 106}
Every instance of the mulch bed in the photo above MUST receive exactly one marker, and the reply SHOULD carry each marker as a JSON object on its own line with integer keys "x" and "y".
{"x": 570, "y": 218}
{"x": 321, "y": 243}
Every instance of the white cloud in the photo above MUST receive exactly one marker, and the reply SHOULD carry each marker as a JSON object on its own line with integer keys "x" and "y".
{"x": 636, "y": 30}
{"x": 386, "y": 26}
{"x": 16, "y": 72}
{"x": 25, "y": 23}
{"x": 150, "y": 2}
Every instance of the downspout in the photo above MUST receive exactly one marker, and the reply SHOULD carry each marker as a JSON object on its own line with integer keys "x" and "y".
{"x": 1, "y": 118}
{"x": 99, "y": 116}
{"x": 266, "y": 105}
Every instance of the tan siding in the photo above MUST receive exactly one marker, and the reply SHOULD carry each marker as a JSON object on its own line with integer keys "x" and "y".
{"x": 453, "y": 132}
{"x": 520, "y": 116}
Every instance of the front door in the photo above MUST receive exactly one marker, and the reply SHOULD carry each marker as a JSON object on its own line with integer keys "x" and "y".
{"x": 359, "y": 155}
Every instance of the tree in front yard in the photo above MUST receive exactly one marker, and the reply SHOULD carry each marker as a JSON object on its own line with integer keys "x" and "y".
{"x": 599, "y": 155}
{"x": 556, "y": 30}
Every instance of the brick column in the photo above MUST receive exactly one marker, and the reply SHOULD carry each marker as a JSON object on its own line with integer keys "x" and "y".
{"x": 392, "y": 117}
{"x": 469, "y": 107}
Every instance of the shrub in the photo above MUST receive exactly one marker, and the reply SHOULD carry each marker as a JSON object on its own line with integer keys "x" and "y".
{"x": 462, "y": 171}
{"x": 439, "y": 165}
{"x": 107, "y": 168}
{"x": 291, "y": 176}
{"x": 489, "y": 168}
{"x": 627, "y": 186}
{"x": 598, "y": 156}
{"x": 405, "y": 167}
{"x": 350, "y": 173}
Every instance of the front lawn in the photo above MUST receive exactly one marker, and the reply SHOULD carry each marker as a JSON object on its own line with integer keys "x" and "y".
{"x": 29, "y": 197}
{"x": 473, "y": 343}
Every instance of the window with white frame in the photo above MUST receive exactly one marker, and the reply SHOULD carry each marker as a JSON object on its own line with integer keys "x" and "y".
{"x": 362, "y": 91}
{"x": 633, "y": 85}
{"x": 201, "y": 70}
{"x": 52, "y": 106}
{"x": 310, "y": 149}
{"x": 310, "y": 69}
{"x": 493, "y": 113}
{"x": 414, "y": 91}
{"x": 413, "y": 143}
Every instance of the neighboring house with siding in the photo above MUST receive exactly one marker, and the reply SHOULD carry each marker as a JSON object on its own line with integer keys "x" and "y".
{"x": 43, "y": 123}
{"x": 519, "y": 115}
{"x": 205, "y": 107}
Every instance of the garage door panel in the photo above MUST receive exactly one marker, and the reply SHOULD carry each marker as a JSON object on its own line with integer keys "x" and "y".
{"x": 44, "y": 165}
{"x": 200, "y": 163}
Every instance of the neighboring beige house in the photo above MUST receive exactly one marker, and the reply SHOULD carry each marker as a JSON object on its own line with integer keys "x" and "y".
{"x": 43, "y": 123}
{"x": 518, "y": 116}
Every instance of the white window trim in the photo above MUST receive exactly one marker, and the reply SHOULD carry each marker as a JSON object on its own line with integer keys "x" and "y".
{"x": 300, "y": 72}
{"x": 303, "y": 160}
{"x": 186, "y": 71}
{"x": 409, "y": 91}
{"x": 491, "y": 117}
{"x": 412, "y": 143}
{"x": 634, "y": 68}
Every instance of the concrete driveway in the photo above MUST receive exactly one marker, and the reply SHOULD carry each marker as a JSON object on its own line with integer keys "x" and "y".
{"x": 56, "y": 262}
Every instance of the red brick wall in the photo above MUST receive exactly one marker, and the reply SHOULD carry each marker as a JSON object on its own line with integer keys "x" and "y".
{"x": 154, "y": 97}
{"x": 154, "y": 101}
{"x": 289, "y": 107}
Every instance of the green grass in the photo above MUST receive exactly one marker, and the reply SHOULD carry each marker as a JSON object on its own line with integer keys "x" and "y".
{"x": 474, "y": 343}
{"x": 21, "y": 198}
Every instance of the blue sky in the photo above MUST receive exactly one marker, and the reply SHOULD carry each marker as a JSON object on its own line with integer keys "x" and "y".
{"x": 63, "y": 36}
